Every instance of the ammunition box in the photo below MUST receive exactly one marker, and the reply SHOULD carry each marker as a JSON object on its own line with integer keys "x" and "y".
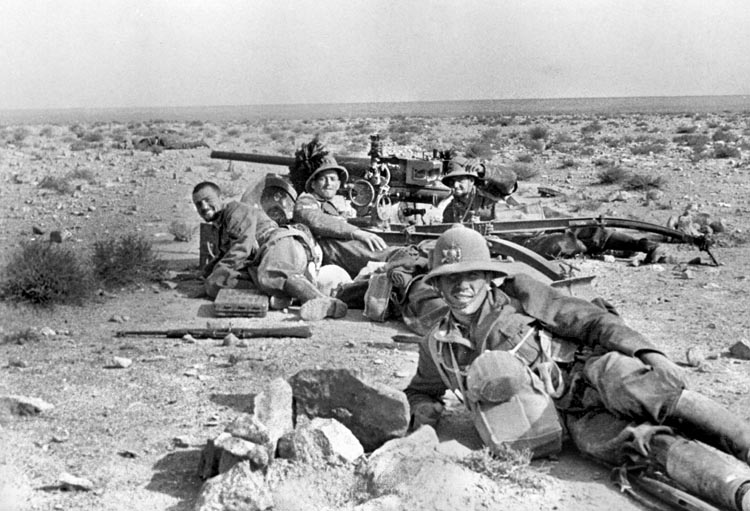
{"x": 247, "y": 303}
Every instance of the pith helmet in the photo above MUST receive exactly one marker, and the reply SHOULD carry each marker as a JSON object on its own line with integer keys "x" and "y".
{"x": 461, "y": 249}
{"x": 327, "y": 163}
{"x": 462, "y": 167}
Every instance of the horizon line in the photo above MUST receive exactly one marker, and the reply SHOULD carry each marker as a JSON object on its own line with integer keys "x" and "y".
{"x": 255, "y": 105}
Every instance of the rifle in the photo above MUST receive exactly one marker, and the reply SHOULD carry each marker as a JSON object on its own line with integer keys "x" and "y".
{"x": 301, "y": 331}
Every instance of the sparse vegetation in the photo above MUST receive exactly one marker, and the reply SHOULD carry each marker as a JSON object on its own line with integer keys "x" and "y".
{"x": 22, "y": 336}
{"x": 524, "y": 171}
{"x": 538, "y": 133}
{"x": 58, "y": 184}
{"x": 506, "y": 465}
{"x": 45, "y": 273}
{"x": 612, "y": 175}
{"x": 126, "y": 261}
{"x": 181, "y": 230}
{"x": 638, "y": 181}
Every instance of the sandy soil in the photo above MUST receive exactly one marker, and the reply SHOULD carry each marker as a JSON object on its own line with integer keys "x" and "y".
{"x": 116, "y": 426}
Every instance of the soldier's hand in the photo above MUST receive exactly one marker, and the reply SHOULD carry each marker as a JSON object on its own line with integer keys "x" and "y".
{"x": 372, "y": 240}
{"x": 426, "y": 413}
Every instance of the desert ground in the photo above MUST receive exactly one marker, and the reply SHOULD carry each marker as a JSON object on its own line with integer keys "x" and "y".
{"x": 117, "y": 427}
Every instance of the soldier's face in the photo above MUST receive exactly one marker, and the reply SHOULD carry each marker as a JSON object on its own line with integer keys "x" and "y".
{"x": 464, "y": 292}
{"x": 461, "y": 186}
{"x": 326, "y": 184}
{"x": 207, "y": 203}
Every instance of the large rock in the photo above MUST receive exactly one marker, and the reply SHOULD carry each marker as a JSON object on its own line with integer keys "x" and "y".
{"x": 239, "y": 489}
{"x": 321, "y": 440}
{"x": 225, "y": 451}
{"x": 375, "y": 413}
{"x": 22, "y": 405}
{"x": 424, "y": 478}
{"x": 273, "y": 408}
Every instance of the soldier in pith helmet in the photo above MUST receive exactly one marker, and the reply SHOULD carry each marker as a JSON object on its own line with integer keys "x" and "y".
{"x": 526, "y": 359}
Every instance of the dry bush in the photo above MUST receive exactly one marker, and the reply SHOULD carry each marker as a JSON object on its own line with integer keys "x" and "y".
{"x": 538, "y": 133}
{"x": 45, "y": 273}
{"x": 694, "y": 140}
{"x": 126, "y": 261}
{"x": 726, "y": 151}
{"x": 22, "y": 336}
{"x": 58, "y": 184}
{"x": 524, "y": 171}
{"x": 567, "y": 163}
{"x": 612, "y": 175}
{"x": 181, "y": 230}
{"x": 82, "y": 173}
{"x": 506, "y": 465}
{"x": 480, "y": 150}
{"x": 525, "y": 158}
{"x": 724, "y": 135}
{"x": 686, "y": 129}
{"x": 648, "y": 148}
{"x": 592, "y": 127}
{"x": 643, "y": 182}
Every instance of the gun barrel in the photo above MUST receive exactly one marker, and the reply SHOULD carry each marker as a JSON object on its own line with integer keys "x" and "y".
{"x": 267, "y": 159}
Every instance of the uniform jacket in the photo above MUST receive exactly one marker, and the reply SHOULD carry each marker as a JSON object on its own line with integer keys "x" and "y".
{"x": 508, "y": 313}
{"x": 460, "y": 211}
{"x": 322, "y": 217}
{"x": 242, "y": 230}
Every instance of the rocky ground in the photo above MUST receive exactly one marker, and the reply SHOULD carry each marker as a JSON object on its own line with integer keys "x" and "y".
{"x": 136, "y": 433}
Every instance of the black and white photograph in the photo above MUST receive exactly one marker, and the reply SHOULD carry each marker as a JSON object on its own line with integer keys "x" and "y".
{"x": 352, "y": 255}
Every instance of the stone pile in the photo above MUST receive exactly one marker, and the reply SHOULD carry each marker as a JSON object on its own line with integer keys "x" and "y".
{"x": 327, "y": 435}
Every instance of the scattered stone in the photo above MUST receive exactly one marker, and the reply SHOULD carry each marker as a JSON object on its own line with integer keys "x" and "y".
{"x": 608, "y": 258}
{"x": 401, "y": 374}
{"x": 17, "y": 362}
{"x": 326, "y": 439}
{"x": 60, "y": 236}
{"x": 168, "y": 284}
{"x": 188, "y": 339}
{"x": 118, "y": 318}
{"x": 374, "y": 412}
{"x": 69, "y": 482}
{"x": 119, "y": 363}
{"x": 239, "y": 489}
{"x": 248, "y": 427}
{"x": 273, "y": 408}
{"x": 182, "y": 441}
{"x": 230, "y": 340}
{"x": 47, "y": 332}
{"x": 60, "y": 435}
{"x": 741, "y": 349}
{"x": 22, "y": 405}
{"x": 37, "y": 230}
{"x": 695, "y": 356}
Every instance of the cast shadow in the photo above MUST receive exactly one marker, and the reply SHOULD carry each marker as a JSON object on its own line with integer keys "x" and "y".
{"x": 242, "y": 403}
{"x": 176, "y": 475}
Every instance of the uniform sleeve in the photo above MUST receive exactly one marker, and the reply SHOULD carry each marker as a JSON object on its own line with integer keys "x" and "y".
{"x": 426, "y": 386}
{"x": 240, "y": 227}
{"x": 307, "y": 211}
{"x": 574, "y": 318}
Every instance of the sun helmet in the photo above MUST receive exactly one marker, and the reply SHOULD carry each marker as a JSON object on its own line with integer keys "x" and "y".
{"x": 461, "y": 249}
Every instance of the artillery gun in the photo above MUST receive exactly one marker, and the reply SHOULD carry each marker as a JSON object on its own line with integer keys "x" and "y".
{"x": 378, "y": 183}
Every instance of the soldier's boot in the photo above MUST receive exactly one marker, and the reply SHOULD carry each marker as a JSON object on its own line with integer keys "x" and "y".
{"x": 707, "y": 420}
{"x": 353, "y": 293}
{"x": 315, "y": 305}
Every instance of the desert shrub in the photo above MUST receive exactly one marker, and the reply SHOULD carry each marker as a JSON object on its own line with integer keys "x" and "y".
{"x": 686, "y": 129}
{"x": 638, "y": 181}
{"x": 603, "y": 162}
{"x": 567, "y": 163}
{"x": 58, "y": 184}
{"x": 45, "y": 273}
{"x": 691, "y": 140}
{"x": 538, "y": 133}
{"x": 592, "y": 127}
{"x": 126, "y": 261}
{"x": 507, "y": 464}
{"x": 525, "y": 158}
{"x": 181, "y": 230}
{"x": 563, "y": 138}
{"x": 81, "y": 173}
{"x": 726, "y": 151}
{"x": 22, "y": 336}
{"x": 648, "y": 148}
{"x": 233, "y": 132}
{"x": 586, "y": 205}
{"x": 612, "y": 175}
{"x": 92, "y": 136}
{"x": 46, "y": 131}
{"x": 524, "y": 171}
{"x": 479, "y": 150}
{"x": 724, "y": 135}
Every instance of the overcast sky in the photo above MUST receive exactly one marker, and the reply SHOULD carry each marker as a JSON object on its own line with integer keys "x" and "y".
{"x": 108, "y": 53}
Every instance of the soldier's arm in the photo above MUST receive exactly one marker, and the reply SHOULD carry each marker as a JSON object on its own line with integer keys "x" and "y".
{"x": 425, "y": 391}
{"x": 307, "y": 211}
{"x": 241, "y": 226}
{"x": 574, "y": 318}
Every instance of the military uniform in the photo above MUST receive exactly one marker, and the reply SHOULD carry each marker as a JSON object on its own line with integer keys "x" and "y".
{"x": 523, "y": 344}
{"x": 334, "y": 234}
{"x": 251, "y": 244}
